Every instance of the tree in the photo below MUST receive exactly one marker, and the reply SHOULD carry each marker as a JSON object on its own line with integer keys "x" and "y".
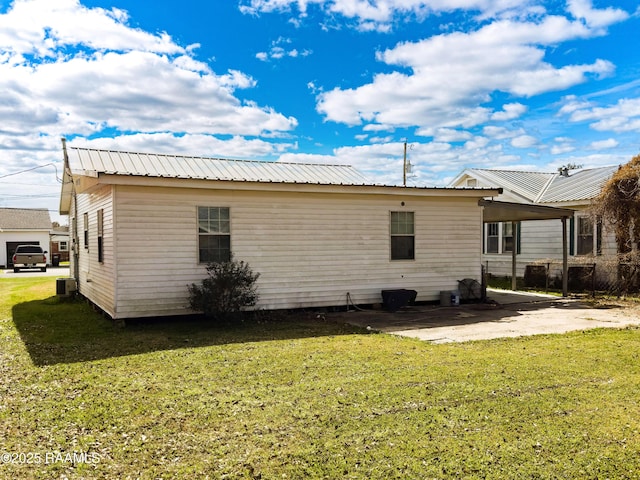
{"x": 619, "y": 205}
{"x": 229, "y": 287}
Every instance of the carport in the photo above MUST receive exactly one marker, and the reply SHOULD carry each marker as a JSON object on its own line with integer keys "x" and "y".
{"x": 496, "y": 211}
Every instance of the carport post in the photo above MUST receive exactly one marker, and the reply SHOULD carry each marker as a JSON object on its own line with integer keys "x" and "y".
{"x": 565, "y": 259}
{"x": 514, "y": 251}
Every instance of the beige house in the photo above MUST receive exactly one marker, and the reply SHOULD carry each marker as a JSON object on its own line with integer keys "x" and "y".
{"x": 541, "y": 240}
{"x": 144, "y": 226}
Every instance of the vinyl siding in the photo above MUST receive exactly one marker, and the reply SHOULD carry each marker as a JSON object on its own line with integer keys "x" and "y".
{"x": 310, "y": 249}
{"x": 96, "y": 280}
{"x": 541, "y": 241}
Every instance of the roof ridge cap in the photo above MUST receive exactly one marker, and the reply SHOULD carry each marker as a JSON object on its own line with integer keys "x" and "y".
{"x": 200, "y": 157}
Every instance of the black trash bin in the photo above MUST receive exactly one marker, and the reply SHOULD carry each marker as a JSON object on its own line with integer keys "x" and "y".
{"x": 55, "y": 260}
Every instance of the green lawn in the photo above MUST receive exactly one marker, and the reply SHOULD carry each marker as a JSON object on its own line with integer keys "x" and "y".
{"x": 304, "y": 398}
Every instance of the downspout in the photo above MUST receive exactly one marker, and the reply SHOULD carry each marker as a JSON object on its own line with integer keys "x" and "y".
{"x": 74, "y": 224}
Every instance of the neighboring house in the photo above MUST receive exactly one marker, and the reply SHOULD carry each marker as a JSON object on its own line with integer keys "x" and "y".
{"x": 22, "y": 226}
{"x": 144, "y": 226}
{"x": 539, "y": 241}
{"x": 60, "y": 243}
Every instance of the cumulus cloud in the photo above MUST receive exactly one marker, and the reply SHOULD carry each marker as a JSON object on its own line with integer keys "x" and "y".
{"x": 624, "y": 116}
{"x": 604, "y": 144}
{"x": 68, "y": 69}
{"x": 524, "y": 141}
{"x": 509, "y": 111}
{"x": 447, "y": 79}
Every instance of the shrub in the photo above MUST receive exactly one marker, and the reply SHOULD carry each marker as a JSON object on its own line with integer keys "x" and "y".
{"x": 229, "y": 287}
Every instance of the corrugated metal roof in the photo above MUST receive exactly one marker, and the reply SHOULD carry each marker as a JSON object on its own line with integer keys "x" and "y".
{"x": 176, "y": 166}
{"x": 580, "y": 185}
{"x": 541, "y": 187}
{"x": 526, "y": 184}
{"x": 24, "y": 219}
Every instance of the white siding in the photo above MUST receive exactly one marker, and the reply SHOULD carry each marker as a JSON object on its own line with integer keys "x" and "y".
{"x": 96, "y": 280}
{"x": 541, "y": 241}
{"x": 310, "y": 249}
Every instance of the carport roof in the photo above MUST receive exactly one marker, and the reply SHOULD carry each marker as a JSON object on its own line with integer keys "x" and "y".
{"x": 496, "y": 211}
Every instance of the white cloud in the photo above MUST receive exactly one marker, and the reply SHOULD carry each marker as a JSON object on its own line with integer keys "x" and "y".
{"x": 604, "y": 144}
{"x": 509, "y": 111}
{"x": 624, "y": 116}
{"x": 524, "y": 141}
{"x": 381, "y": 15}
{"x": 583, "y": 9}
{"x": 501, "y": 133}
{"x": 562, "y": 145}
{"x": 65, "y": 69}
{"x": 451, "y": 135}
{"x": 188, "y": 144}
{"x": 432, "y": 161}
{"x": 278, "y": 51}
{"x": 40, "y": 27}
{"x": 451, "y": 76}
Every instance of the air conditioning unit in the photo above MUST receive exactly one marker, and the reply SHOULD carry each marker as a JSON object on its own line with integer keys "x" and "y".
{"x": 65, "y": 286}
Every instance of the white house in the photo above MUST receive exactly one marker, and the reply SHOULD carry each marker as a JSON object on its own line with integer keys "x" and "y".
{"x": 22, "y": 226}
{"x": 541, "y": 240}
{"x": 144, "y": 226}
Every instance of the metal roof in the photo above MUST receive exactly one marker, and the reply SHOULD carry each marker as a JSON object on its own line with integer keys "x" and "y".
{"x": 543, "y": 187}
{"x": 84, "y": 160}
{"x": 526, "y": 184}
{"x": 24, "y": 219}
{"x": 580, "y": 185}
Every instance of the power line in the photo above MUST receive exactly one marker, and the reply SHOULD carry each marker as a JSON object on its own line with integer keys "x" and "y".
{"x": 30, "y": 169}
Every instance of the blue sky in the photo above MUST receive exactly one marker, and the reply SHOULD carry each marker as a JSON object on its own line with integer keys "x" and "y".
{"x": 467, "y": 83}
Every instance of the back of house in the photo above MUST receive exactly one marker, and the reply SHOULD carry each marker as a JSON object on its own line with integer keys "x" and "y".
{"x": 144, "y": 226}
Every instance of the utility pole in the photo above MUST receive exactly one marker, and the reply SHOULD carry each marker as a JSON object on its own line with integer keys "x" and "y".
{"x": 404, "y": 167}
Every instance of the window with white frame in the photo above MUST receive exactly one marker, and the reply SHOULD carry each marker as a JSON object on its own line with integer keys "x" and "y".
{"x": 63, "y": 246}
{"x": 214, "y": 234}
{"x": 403, "y": 239}
{"x": 499, "y": 237}
{"x": 588, "y": 236}
{"x": 492, "y": 237}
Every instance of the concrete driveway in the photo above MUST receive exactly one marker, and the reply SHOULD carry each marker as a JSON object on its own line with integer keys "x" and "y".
{"x": 507, "y": 314}
{"x": 34, "y": 272}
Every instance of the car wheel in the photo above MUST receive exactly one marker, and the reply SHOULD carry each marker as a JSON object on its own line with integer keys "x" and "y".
{"x": 43, "y": 269}
{"x": 15, "y": 270}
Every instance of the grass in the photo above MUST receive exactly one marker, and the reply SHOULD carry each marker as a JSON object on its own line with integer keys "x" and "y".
{"x": 304, "y": 398}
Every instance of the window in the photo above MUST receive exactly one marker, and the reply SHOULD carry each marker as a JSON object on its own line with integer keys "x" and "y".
{"x": 86, "y": 231}
{"x": 588, "y": 236}
{"x": 63, "y": 246}
{"x": 493, "y": 234}
{"x": 214, "y": 234}
{"x": 507, "y": 237}
{"x": 402, "y": 236}
{"x": 500, "y": 238}
{"x": 472, "y": 182}
{"x": 100, "y": 230}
